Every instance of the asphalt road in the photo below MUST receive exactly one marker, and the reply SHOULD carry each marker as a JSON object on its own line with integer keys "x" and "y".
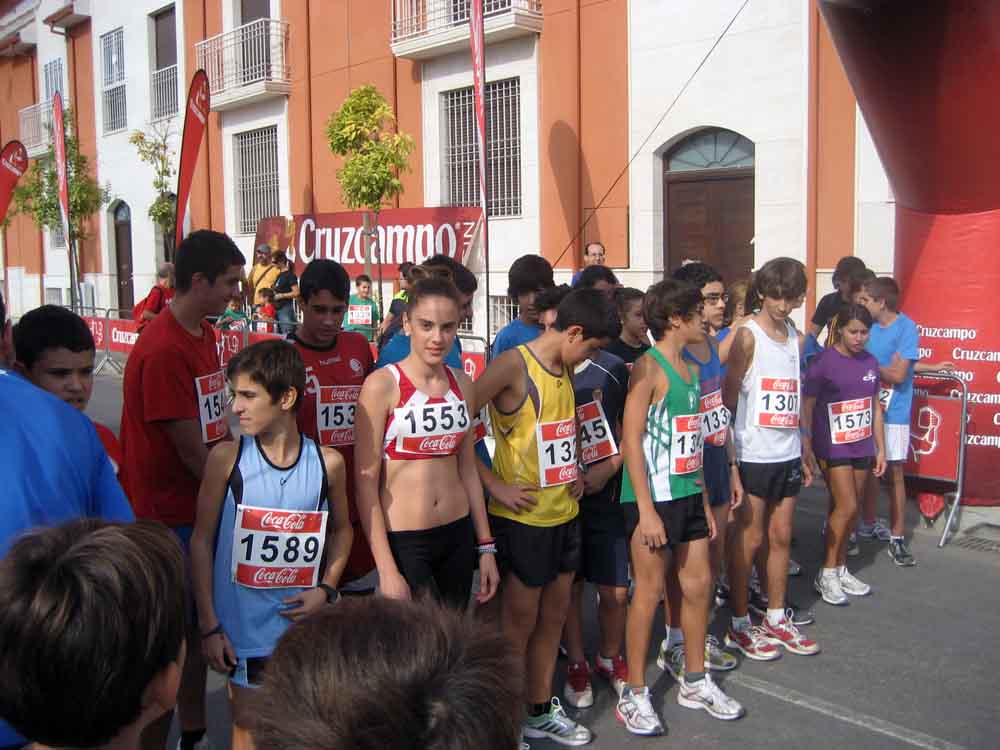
{"x": 912, "y": 666}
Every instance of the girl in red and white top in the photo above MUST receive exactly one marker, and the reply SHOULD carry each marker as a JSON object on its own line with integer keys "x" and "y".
{"x": 418, "y": 490}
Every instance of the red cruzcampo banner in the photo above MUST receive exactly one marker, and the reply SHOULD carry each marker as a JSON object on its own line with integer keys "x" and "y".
{"x": 13, "y": 163}
{"x": 195, "y": 119}
{"x": 935, "y": 429}
{"x": 404, "y": 234}
{"x": 62, "y": 174}
{"x": 122, "y": 335}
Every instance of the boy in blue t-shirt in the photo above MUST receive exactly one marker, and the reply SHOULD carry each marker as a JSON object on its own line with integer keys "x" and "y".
{"x": 528, "y": 275}
{"x": 895, "y": 342}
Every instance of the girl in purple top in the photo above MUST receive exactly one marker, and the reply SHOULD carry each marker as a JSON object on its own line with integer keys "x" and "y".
{"x": 843, "y": 427}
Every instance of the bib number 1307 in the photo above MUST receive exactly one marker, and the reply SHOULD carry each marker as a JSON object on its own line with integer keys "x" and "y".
{"x": 778, "y": 403}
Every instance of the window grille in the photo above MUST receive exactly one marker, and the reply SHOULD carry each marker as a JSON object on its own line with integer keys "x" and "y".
{"x": 502, "y": 311}
{"x": 255, "y": 155}
{"x": 113, "y": 81}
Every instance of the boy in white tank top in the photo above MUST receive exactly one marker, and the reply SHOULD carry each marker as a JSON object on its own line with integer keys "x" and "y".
{"x": 763, "y": 391}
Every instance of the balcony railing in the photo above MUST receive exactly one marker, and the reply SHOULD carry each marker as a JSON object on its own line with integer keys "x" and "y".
{"x": 420, "y": 27}
{"x": 36, "y": 128}
{"x": 163, "y": 93}
{"x": 247, "y": 63}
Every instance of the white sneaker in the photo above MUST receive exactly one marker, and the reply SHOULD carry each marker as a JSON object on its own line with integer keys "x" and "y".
{"x": 635, "y": 711}
{"x": 578, "y": 691}
{"x": 829, "y": 587}
{"x": 851, "y": 585}
{"x": 671, "y": 659}
{"x": 705, "y": 694}
{"x": 877, "y": 529}
{"x": 555, "y": 725}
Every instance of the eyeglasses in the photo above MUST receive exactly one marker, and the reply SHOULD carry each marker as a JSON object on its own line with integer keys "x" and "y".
{"x": 714, "y": 299}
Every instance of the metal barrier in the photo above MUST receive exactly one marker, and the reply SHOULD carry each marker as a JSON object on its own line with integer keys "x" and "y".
{"x": 474, "y": 362}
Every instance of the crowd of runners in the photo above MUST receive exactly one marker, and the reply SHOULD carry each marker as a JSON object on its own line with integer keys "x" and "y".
{"x": 651, "y": 444}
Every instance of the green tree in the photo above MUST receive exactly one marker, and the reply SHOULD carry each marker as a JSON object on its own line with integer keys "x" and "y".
{"x": 153, "y": 148}
{"x": 37, "y": 194}
{"x": 363, "y": 132}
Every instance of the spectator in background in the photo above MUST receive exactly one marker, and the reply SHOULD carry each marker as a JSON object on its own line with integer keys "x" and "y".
{"x": 263, "y": 274}
{"x": 528, "y": 276}
{"x": 393, "y": 320}
{"x": 286, "y": 291}
{"x": 92, "y": 624}
{"x": 267, "y": 312}
{"x": 390, "y": 674}
{"x": 362, "y": 310}
{"x": 601, "y": 278}
{"x": 845, "y": 286}
{"x": 234, "y": 317}
{"x": 593, "y": 255}
{"x": 159, "y": 296}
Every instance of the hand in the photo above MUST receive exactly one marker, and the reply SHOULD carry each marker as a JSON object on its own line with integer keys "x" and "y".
{"x": 515, "y": 497}
{"x": 713, "y": 528}
{"x": 489, "y": 577}
{"x": 946, "y": 366}
{"x": 879, "y": 469}
{"x": 736, "y": 488}
{"x": 808, "y": 460}
{"x": 576, "y": 489}
{"x": 598, "y": 476}
{"x": 308, "y": 602}
{"x": 651, "y": 530}
{"x": 394, "y": 586}
{"x": 219, "y": 653}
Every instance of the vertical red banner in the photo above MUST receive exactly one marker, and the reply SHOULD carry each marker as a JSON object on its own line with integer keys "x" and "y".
{"x": 195, "y": 120}
{"x": 62, "y": 172}
{"x": 13, "y": 163}
{"x": 477, "y": 42}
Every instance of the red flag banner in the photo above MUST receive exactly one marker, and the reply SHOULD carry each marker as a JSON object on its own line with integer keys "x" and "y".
{"x": 478, "y": 45}
{"x": 13, "y": 163}
{"x": 62, "y": 173}
{"x": 404, "y": 234}
{"x": 195, "y": 119}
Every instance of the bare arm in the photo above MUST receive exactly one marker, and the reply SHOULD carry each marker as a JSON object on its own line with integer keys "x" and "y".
{"x": 343, "y": 533}
{"x": 740, "y": 359}
{"x": 808, "y": 407}
{"x": 503, "y": 374}
{"x": 727, "y": 343}
{"x": 185, "y": 435}
{"x": 640, "y": 395}
{"x": 896, "y": 371}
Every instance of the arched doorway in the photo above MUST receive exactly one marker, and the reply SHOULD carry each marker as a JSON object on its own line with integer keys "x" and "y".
{"x": 122, "y": 216}
{"x": 708, "y": 202}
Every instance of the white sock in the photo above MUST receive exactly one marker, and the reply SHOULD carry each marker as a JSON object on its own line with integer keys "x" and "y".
{"x": 829, "y": 572}
{"x": 841, "y": 570}
{"x": 774, "y": 616}
{"x": 741, "y": 623}
{"x": 675, "y": 636}
{"x": 605, "y": 663}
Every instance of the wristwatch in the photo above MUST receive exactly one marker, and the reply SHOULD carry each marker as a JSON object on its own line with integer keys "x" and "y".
{"x": 332, "y": 595}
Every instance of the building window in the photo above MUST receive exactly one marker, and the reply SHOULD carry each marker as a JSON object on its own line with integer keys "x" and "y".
{"x": 503, "y": 157}
{"x": 57, "y": 238}
{"x": 163, "y": 82}
{"x": 53, "y": 296}
{"x": 502, "y": 311}
{"x": 713, "y": 148}
{"x": 113, "y": 81}
{"x": 255, "y": 156}
{"x": 52, "y": 74}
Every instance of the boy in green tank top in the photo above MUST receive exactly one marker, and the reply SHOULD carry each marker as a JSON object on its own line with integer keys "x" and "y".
{"x": 666, "y": 507}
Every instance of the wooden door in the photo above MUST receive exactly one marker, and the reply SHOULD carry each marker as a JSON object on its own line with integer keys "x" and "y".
{"x": 123, "y": 254}
{"x": 709, "y": 217}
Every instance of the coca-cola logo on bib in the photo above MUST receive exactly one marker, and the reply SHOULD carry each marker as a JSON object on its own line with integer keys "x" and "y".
{"x": 283, "y": 521}
{"x": 565, "y": 429}
{"x": 275, "y": 576}
{"x": 442, "y": 444}
{"x": 567, "y": 473}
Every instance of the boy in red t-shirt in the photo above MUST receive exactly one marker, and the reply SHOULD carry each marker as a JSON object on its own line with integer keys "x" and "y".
{"x": 174, "y": 410}
{"x": 337, "y": 363}
{"x": 55, "y": 350}
{"x": 267, "y": 311}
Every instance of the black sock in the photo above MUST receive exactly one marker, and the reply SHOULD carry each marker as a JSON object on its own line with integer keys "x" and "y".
{"x": 537, "y": 709}
{"x": 692, "y": 677}
{"x": 192, "y": 738}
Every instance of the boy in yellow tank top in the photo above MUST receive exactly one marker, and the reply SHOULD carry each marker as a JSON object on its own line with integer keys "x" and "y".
{"x": 535, "y": 487}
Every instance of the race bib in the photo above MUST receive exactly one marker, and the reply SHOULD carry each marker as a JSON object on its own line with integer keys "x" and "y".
{"x": 778, "y": 403}
{"x": 686, "y": 444}
{"x": 715, "y": 418}
{"x": 432, "y": 429}
{"x": 556, "y": 452}
{"x": 359, "y": 315}
{"x": 276, "y": 549}
{"x": 850, "y": 421}
{"x": 211, "y": 390}
{"x": 335, "y": 407}
{"x": 596, "y": 440}
{"x": 885, "y": 394}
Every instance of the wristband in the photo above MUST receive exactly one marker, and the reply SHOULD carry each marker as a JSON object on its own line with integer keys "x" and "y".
{"x": 332, "y": 594}
{"x": 487, "y": 548}
{"x": 217, "y": 630}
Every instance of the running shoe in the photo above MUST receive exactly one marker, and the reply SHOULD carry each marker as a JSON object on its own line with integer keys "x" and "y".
{"x": 752, "y": 643}
{"x": 555, "y": 725}
{"x": 617, "y": 675}
{"x": 672, "y": 659}
{"x": 829, "y": 587}
{"x": 721, "y": 594}
{"x": 798, "y": 615}
{"x": 705, "y": 694}
{"x": 578, "y": 691}
{"x": 794, "y": 569}
{"x": 716, "y": 659}
{"x": 853, "y": 548}
{"x": 758, "y": 600}
{"x": 900, "y": 553}
{"x": 852, "y": 585}
{"x": 787, "y": 635}
{"x": 635, "y": 711}
{"x": 877, "y": 529}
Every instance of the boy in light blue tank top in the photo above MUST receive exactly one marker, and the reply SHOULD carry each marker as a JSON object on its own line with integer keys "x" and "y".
{"x": 269, "y": 506}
